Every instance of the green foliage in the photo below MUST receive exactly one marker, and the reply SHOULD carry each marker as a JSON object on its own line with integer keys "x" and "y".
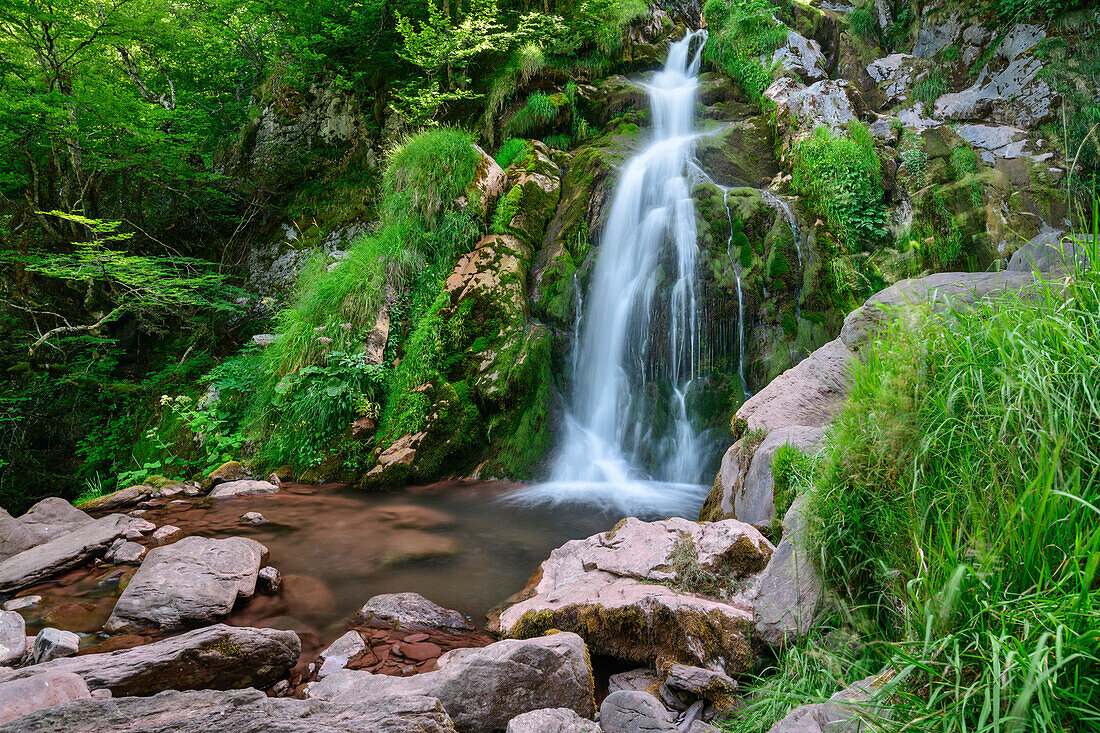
{"x": 691, "y": 577}
{"x": 428, "y": 172}
{"x": 1073, "y": 72}
{"x": 510, "y": 151}
{"x": 840, "y": 177}
{"x": 915, "y": 158}
{"x": 964, "y": 162}
{"x": 863, "y": 23}
{"x": 961, "y": 493}
{"x": 741, "y": 31}
{"x": 931, "y": 87}
{"x": 1026, "y": 10}
{"x": 951, "y": 53}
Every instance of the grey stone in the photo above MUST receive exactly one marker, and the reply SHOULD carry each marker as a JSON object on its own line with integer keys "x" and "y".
{"x": 52, "y": 517}
{"x": 934, "y": 37}
{"x": 700, "y": 727}
{"x": 125, "y": 552}
{"x": 482, "y": 689}
{"x": 88, "y": 540}
{"x": 269, "y": 580}
{"x": 337, "y": 654}
{"x": 1050, "y": 253}
{"x": 801, "y": 56}
{"x": 194, "y": 581}
{"x": 823, "y": 103}
{"x": 790, "y": 595}
{"x": 54, "y": 644}
{"x": 253, "y": 518}
{"x": 845, "y": 712}
{"x": 692, "y": 715}
{"x": 894, "y": 75}
{"x": 216, "y": 657}
{"x": 699, "y": 682}
{"x": 123, "y": 498}
{"x": 551, "y": 720}
{"x": 414, "y": 612}
{"x": 246, "y": 487}
{"x": 167, "y": 534}
{"x": 13, "y": 638}
{"x": 635, "y": 712}
{"x": 239, "y": 711}
{"x": 14, "y": 536}
{"x": 22, "y": 602}
{"x": 37, "y": 692}
{"x": 639, "y": 680}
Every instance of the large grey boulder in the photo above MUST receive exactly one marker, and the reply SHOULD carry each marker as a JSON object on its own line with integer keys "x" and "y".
{"x": 14, "y": 537}
{"x": 194, "y": 581}
{"x": 412, "y": 612}
{"x": 790, "y": 597}
{"x": 823, "y": 103}
{"x": 634, "y": 712}
{"x": 894, "y": 75}
{"x": 239, "y": 711}
{"x": 482, "y": 689}
{"x": 244, "y": 487}
{"x": 13, "y": 638}
{"x": 88, "y": 540}
{"x": 52, "y": 517}
{"x": 39, "y": 691}
{"x": 1050, "y": 253}
{"x": 632, "y": 592}
{"x": 845, "y": 712}
{"x": 801, "y": 56}
{"x": 217, "y": 657}
{"x": 552, "y": 720}
{"x": 54, "y": 644}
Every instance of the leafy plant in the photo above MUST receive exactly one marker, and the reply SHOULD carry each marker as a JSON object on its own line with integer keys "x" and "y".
{"x": 741, "y": 32}
{"x": 863, "y": 23}
{"x": 915, "y": 158}
{"x": 931, "y": 87}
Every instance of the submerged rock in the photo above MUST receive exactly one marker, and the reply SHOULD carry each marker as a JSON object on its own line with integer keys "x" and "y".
{"x": 193, "y": 581}
{"x": 217, "y": 657}
{"x": 242, "y": 711}
{"x": 633, "y": 592}
{"x": 45, "y": 690}
{"x": 482, "y": 689}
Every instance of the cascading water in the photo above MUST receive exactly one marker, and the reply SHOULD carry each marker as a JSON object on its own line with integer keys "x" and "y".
{"x": 629, "y": 442}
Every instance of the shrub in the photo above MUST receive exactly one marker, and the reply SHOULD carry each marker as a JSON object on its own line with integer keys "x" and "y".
{"x": 741, "y": 32}
{"x": 863, "y": 23}
{"x": 840, "y": 177}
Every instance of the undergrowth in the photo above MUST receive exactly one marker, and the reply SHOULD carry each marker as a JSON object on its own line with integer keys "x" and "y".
{"x": 741, "y": 32}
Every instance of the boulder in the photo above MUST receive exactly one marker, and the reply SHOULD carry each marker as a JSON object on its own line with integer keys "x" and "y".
{"x": 125, "y": 552}
{"x": 487, "y": 186}
{"x": 123, "y": 498}
{"x": 706, "y": 684}
{"x": 194, "y": 581}
{"x": 790, "y": 597}
{"x": 269, "y": 579}
{"x": 253, "y": 518}
{"x": 801, "y": 56}
{"x": 14, "y": 536}
{"x": 847, "y": 711}
{"x": 482, "y": 689}
{"x": 894, "y": 75}
{"x": 54, "y": 644}
{"x": 535, "y": 190}
{"x": 640, "y": 680}
{"x": 37, "y": 692}
{"x": 631, "y": 712}
{"x": 823, "y": 103}
{"x": 13, "y": 638}
{"x": 90, "y": 539}
{"x": 228, "y": 471}
{"x": 52, "y": 517}
{"x": 244, "y": 487}
{"x": 242, "y": 711}
{"x": 551, "y": 720}
{"x": 1049, "y": 253}
{"x": 21, "y": 602}
{"x": 217, "y": 657}
{"x": 634, "y": 592}
{"x": 412, "y": 612}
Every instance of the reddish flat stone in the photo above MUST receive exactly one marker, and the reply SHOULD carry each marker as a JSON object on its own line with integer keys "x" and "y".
{"x": 415, "y": 638}
{"x": 421, "y": 652}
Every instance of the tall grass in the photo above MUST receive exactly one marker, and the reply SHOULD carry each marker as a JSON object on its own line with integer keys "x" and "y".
{"x": 741, "y": 31}
{"x": 961, "y": 507}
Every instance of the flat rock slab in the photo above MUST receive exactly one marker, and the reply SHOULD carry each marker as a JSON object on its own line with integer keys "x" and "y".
{"x": 483, "y": 689}
{"x": 51, "y": 518}
{"x": 64, "y": 552}
{"x": 217, "y": 657}
{"x": 123, "y": 498}
{"x": 412, "y": 612}
{"x": 39, "y": 691}
{"x": 194, "y": 581}
{"x": 246, "y": 487}
{"x": 239, "y": 711}
{"x": 622, "y": 591}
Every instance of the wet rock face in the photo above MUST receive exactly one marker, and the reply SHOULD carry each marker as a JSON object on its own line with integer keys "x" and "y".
{"x": 216, "y": 657}
{"x": 483, "y": 689}
{"x": 193, "y": 581}
{"x": 634, "y": 592}
{"x": 238, "y": 710}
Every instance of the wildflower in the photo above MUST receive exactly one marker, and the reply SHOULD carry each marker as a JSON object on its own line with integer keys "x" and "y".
{"x": 318, "y": 329}
{"x": 324, "y": 340}
{"x": 345, "y": 326}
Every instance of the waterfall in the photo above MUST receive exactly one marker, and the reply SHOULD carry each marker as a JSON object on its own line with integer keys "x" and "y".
{"x": 629, "y": 443}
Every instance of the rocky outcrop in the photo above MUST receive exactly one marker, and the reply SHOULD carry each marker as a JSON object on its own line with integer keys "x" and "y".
{"x": 37, "y": 692}
{"x": 244, "y": 711}
{"x": 14, "y": 537}
{"x": 412, "y": 612}
{"x": 217, "y": 657}
{"x": 191, "y": 582}
{"x": 801, "y": 56}
{"x": 803, "y": 108}
{"x": 483, "y": 689}
{"x": 1050, "y": 253}
{"x": 532, "y": 198}
{"x": 487, "y": 186}
{"x": 67, "y": 550}
{"x": 633, "y": 592}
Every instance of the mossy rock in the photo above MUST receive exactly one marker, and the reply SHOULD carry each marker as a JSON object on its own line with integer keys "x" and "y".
{"x": 524, "y": 211}
{"x": 739, "y": 155}
{"x": 228, "y": 471}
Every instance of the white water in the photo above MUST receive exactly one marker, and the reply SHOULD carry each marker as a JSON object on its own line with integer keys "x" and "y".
{"x": 626, "y": 371}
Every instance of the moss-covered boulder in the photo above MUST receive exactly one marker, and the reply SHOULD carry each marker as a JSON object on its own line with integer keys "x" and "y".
{"x": 650, "y": 592}
{"x": 739, "y": 154}
{"x": 228, "y": 471}
{"x": 532, "y": 198}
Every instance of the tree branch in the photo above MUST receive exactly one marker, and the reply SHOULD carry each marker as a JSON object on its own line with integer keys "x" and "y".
{"x": 70, "y": 329}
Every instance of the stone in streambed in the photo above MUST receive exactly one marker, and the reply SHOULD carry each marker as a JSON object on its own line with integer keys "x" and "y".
{"x": 339, "y": 652}
{"x": 52, "y": 518}
{"x": 39, "y": 691}
{"x": 551, "y": 720}
{"x": 125, "y": 552}
{"x": 225, "y": 473}
{"x": 269, "y": 579}
{"x": 54, "y": 644}
{"x": 482, "y": 689}
{"x": 194, "y": 581}
{"x": 13, "y": 638}
{"x": 412, "y": 612}
{"x": 14, "y": 537}
{"x": 167, "y": 534}
{"x": 253, "y": 518}
{"x": 216, "y": 657}
{"x": 243, "y": 488}
{"x": 123, "y": 498}
{"x": 631, "y": 712}
{"x": 21, "y": 602}
{"x": 244, "y": 711}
